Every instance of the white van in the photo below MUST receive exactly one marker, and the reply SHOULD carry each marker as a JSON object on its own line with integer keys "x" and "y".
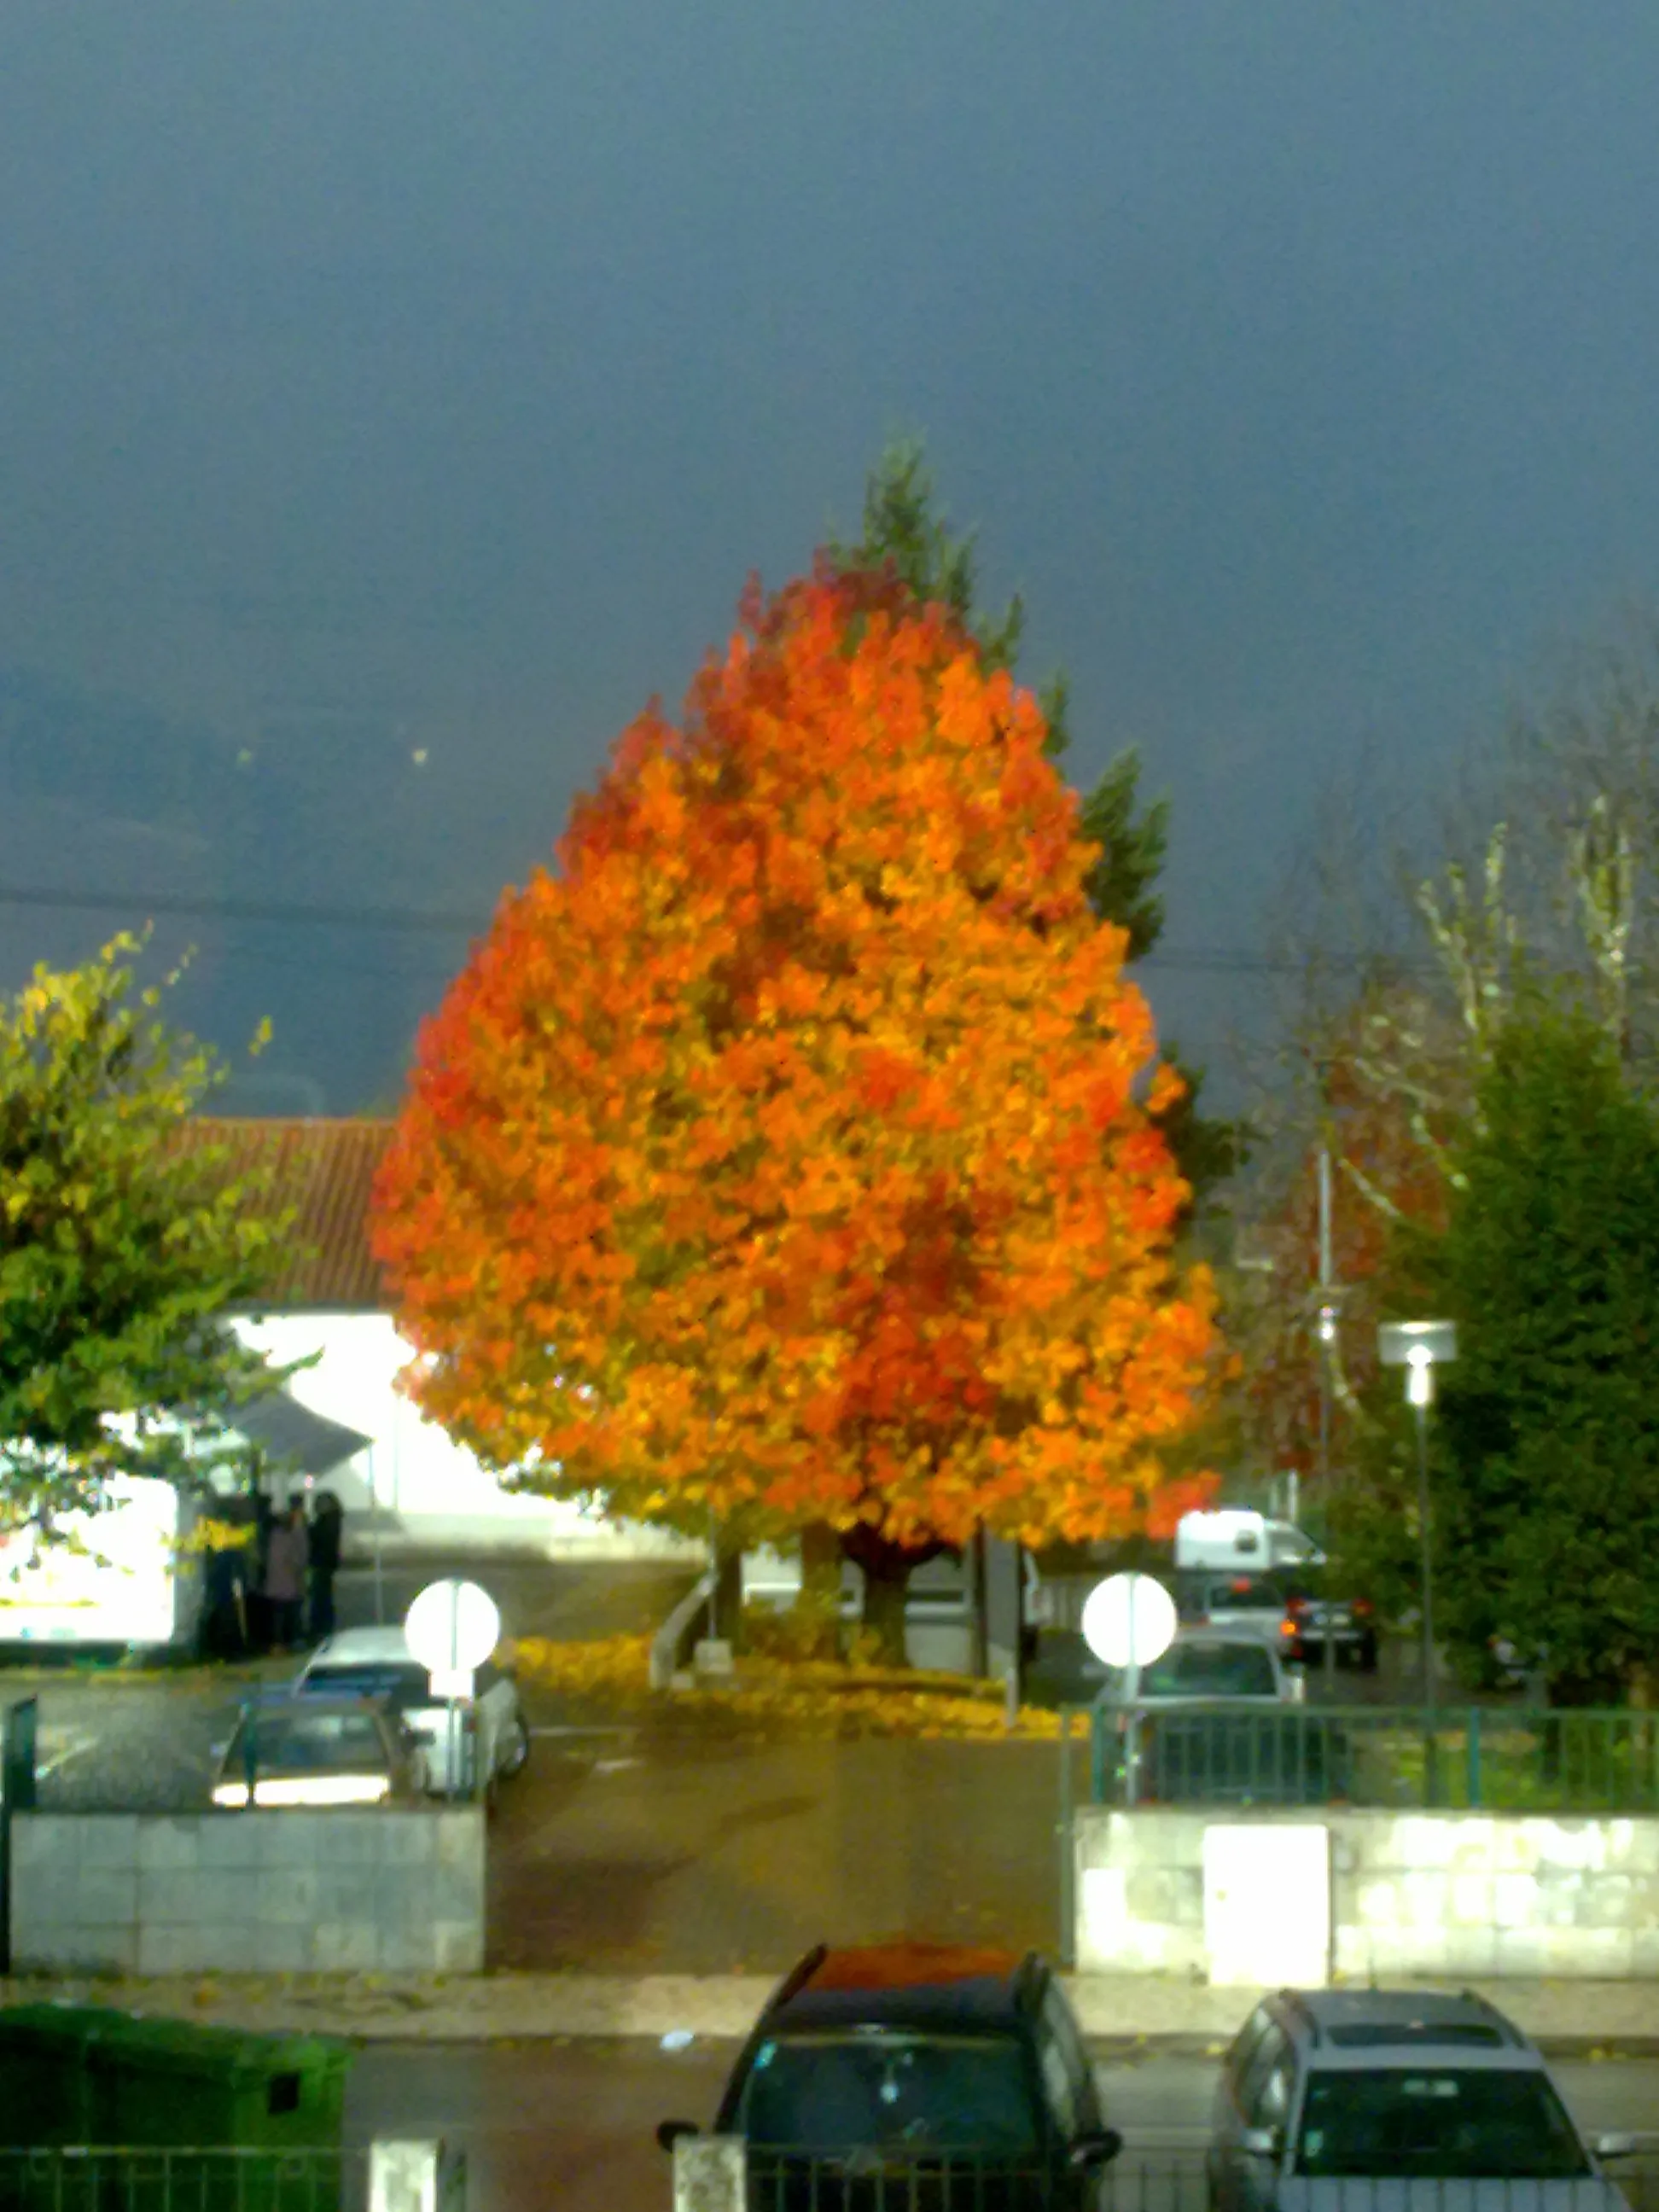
{"x": 1233, "y": 1539}
{"x": 123, "y": 1576}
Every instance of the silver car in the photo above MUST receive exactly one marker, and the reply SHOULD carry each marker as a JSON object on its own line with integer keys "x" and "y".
{"x": 484, "y": 1742}
{"x": 1385, "y": 2101}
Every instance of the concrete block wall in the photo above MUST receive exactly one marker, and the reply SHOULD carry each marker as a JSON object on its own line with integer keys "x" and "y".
{"x": 1487, "y": 1895}
{"x": 1140, "y": 1891}
{"x": 1495, "y": 1894}
{"x": 330, "y": 1890}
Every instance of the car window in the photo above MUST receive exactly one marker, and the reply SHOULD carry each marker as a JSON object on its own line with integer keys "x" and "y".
{"x": 829, "y": 2093}
{"x": 1061, "y": 2038}
{"x": 288, "y": 1743}
{"x": 1058, "y": 2086}
{"x": 1245, "y": 2043}
{"x": 1498, "y": 2123}
{"x": 1245, "y": 1594}
{"x": 1271, "y": 2054}
{"x": 1273, "y": 2099}
{"x": 402, "y": 1680}
{"x": 1204, "y": 1670}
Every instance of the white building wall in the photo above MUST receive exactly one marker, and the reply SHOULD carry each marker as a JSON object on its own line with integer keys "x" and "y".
{"x": 427, "y": 1491}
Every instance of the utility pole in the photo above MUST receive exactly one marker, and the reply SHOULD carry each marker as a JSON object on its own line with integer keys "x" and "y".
{"x": 1326, "y": 1328}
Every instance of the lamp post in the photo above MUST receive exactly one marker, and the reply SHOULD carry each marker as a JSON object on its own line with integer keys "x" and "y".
{"x": 1420, "y": 1347}
{"x": 1327, "y": 1305}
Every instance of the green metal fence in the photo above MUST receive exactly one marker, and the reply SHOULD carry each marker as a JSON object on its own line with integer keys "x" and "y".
{"x": 1468, "y": 1758}
{"x": 142, "y": 2179}
{"x": 808, "y": 2181}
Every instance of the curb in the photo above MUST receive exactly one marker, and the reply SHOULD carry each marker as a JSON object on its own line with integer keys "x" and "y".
{"x": 1126, "y": 2013}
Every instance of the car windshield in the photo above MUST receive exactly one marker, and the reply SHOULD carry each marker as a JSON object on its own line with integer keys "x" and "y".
{"x": 1239, "y": 1593}
{"x": 311, "y": 1743}
{"x": 829, "y": 2093}
{"x": 1197, "y": 1596}
{"x": 404, "y": 1681}
{"x": 1439, "y": 2123}
{"x": 1203, "y": 1670}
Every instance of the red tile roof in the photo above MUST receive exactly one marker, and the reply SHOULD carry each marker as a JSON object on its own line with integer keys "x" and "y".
{"x": 324, "y": 1170}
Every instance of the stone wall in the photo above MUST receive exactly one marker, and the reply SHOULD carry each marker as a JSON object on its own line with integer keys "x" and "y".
{"x": 295, "y": 1891}
{"x": 1411, "y": 1893}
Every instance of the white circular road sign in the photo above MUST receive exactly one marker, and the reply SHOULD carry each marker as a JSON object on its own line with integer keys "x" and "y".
{"x": 1129, "y": 1620}
{"x": 452, "y": 1626}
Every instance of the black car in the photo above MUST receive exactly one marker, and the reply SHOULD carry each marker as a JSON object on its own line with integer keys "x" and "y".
{"x": 933, "y": 2075}
{"x": 1315, "y": 1612}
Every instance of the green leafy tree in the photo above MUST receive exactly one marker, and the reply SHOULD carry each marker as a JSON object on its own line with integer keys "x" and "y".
{"x": 1545, "y": 1455}
{"x": 120, "y": 1251}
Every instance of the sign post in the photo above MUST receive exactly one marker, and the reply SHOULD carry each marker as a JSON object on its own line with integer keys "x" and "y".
{"x": 452, "y": 1626}
{"x": 1128, "y": 1622}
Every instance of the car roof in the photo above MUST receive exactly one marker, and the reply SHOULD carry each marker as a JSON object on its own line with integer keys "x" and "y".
{"x": 903, "y": 1985}
{"x": 1372, "y": 2028}
{"x": 1198, "y": 1631}
{"x": 361, "y": 1646}
{"x": 1197, "y": 1637}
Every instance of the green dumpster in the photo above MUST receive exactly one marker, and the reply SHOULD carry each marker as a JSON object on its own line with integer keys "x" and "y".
{"x": 262, "y": 2113}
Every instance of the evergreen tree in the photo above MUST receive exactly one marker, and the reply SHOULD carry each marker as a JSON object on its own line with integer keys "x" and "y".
{"x": 1546, "y": 1450}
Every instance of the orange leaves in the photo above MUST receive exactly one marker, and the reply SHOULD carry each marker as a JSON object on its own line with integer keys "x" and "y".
{"x": 818, "y": 1161}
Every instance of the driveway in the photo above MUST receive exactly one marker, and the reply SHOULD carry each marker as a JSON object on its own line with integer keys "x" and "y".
{"x": 665, "y": 1849}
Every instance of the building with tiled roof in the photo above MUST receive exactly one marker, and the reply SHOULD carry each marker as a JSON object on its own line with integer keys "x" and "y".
{"x": 323, "y": 1170}
{"x": 406, "y": 1483}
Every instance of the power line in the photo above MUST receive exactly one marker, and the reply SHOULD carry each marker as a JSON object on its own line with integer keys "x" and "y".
{"x": 436, "y": 922}
{"x": 277, "y": 912}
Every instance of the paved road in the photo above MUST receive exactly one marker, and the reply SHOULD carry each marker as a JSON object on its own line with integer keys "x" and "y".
{"x": 571, "y": 2126}
{"x": 676, "y": 1851}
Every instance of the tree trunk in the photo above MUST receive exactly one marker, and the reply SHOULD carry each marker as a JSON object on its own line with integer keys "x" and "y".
{"x": 728, "y": 1596}
{"x": 887, "y": 1568}
{"x": 883, "y": 1611}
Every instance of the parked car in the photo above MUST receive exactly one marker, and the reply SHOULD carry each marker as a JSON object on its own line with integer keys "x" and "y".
{"x": 332, "y": 1751}
{"x": 491, "y": 1739}
{"x": 1219, "y": 1720}
{"x": 1238, "y": 1604}
{"x": 1313, "y": 1612}
{"x": 1375, "y": 2099}
{"x": 1205, "y": 1665}
{"x": 906, "y": 2073}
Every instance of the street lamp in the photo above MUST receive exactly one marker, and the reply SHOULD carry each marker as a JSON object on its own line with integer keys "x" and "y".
{"x": 1420, "y": 1347}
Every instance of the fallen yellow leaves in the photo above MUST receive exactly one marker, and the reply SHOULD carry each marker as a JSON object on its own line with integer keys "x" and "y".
{"x": 799, "y": 1697}
{"x": 610, "y": 1666}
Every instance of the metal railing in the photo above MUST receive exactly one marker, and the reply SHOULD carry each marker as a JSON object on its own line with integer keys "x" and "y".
{"x": 138, "y": 2179}
{"x": 960, "y": 2181}
{"x": 1399, "y": 1757}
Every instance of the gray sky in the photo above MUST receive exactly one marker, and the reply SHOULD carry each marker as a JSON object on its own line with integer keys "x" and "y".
{"x": 394, "y": 395}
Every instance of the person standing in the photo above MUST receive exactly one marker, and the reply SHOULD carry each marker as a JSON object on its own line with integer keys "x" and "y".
{"x": 327, "y": 1520}
{"x": 224, "y": 1600}
{"x": 286, "y": 1556}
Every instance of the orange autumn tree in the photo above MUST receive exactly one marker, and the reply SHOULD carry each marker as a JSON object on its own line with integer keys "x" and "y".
{"x": 791, "y": 1154}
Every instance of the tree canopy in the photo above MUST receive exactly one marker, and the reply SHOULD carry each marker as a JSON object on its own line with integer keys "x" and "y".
{"x": 1547, "y": 1498}
{"x": 119, "y": 1254}
{"x": 905, "y": 535}
{"x": 792, "y": 1152}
